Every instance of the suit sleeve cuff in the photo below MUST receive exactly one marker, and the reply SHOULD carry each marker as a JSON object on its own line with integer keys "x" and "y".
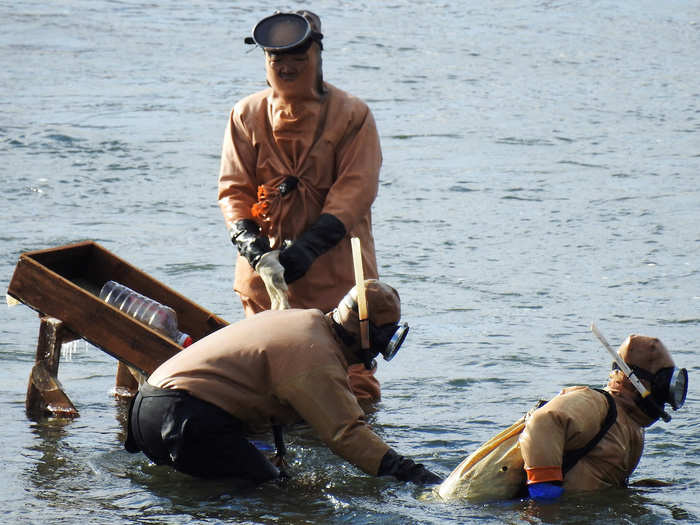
{"x": 544, "y": 474}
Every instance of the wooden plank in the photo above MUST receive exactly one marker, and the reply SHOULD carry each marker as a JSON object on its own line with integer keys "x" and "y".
{"x": 89, "y": 266}
{"x": 97, "y": 322}
{"x": 64, "y": 282}
{"x": 52, "y": 334}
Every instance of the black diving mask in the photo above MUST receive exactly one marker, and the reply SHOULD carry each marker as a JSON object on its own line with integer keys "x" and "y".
{"x": 387, "y": 339}
{"x": 284, "y": 33}
{"x": 668, "y": 385}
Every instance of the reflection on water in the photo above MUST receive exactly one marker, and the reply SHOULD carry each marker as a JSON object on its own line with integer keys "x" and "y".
{"x": 51, "y": 463}
{"x": 613, "y": 506}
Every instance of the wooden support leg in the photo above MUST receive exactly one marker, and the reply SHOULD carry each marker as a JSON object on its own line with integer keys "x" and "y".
{"x": 127, "y": 381}
{"x": 44, "y": 393}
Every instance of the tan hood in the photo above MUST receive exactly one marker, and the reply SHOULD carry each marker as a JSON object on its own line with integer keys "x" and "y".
{"x": 645, "y": 352}
{"x": 383, "y": 306}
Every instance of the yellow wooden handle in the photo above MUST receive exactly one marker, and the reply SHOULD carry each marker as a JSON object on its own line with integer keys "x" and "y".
{"x": 360, "y": 286}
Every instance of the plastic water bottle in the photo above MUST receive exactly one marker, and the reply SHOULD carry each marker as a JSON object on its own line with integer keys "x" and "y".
{"x": 161, "y": 318}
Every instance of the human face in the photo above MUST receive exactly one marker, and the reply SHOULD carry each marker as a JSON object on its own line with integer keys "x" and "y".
{"x": 288, "y": 66}
{"x": 293, "y": 74}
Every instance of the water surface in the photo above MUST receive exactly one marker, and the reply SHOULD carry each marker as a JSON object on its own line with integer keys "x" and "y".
{"x": 540, "y": 172}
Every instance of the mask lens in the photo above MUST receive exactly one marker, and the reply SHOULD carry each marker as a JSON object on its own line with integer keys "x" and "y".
{"x": 281, "y": 32}
{"x": 678, "y": 388}
{"x": 395, "y": 342}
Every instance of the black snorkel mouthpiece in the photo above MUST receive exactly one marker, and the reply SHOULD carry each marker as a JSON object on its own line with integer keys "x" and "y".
{"x": 653, "y": 409}
{"x": 668, "y": 385}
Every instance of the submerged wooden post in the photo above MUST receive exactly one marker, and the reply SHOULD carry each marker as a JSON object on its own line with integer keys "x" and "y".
{"x": 44, "y": 393}
{"x": 126, "y": 382}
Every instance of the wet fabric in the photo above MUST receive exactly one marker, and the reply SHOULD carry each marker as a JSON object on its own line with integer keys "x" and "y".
{"x": 492, "y": 472}
{"x": 282, "y": 366}
{"x": 174, "y": 428}
{"x": 405, "y": 469}
{"x": 568, "y": 422}
{"x": 331, "y": 146}
{"x": 576, "y": 437}
{"x": 364, "y": 385}
{"x": 572, "y": 456}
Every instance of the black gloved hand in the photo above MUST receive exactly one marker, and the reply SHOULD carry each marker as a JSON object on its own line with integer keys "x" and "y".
{"x": 325, "y": 233}
{"x": 245, "y": 235}
{"x": 405, "y": 469}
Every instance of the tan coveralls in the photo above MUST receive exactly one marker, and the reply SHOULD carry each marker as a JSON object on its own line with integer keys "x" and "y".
{"x": 569, "y": 421}
{"x": 333, "y": 148}
{"x": 282, "y": 367}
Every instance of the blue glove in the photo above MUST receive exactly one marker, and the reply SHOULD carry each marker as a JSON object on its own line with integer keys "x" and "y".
{"x": 545, "y": 491}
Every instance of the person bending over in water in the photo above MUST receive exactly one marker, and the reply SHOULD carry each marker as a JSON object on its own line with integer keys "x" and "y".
{"x": 275, "y": 368}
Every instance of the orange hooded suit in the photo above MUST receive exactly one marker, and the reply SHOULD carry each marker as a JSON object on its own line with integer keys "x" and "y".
{"x": 327, "y": 140}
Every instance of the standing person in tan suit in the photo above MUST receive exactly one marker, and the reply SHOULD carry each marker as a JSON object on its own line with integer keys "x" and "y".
{"x": 299, "y": 172}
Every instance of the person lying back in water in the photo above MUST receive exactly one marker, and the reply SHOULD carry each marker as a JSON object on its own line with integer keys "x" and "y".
{"x": 583, "y": 439}
{"x": 274, "y": 368}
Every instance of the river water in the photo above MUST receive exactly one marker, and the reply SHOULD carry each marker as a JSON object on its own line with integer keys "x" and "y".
{"x": 541, "y": 164}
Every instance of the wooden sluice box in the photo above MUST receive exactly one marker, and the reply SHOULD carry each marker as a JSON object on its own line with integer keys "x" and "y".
{"x": 63, "y": 285}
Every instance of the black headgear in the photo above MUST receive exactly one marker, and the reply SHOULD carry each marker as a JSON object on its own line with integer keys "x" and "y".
{"x": 286, "y": 33}
{"x": 668, "y": 385}
{"x": 384, "y": 306}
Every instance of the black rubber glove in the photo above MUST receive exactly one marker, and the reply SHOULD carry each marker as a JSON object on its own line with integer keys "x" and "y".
{"x": 325, "y": 233}
{"x": 251, "y": 245}
{"x": 405, "y": 469}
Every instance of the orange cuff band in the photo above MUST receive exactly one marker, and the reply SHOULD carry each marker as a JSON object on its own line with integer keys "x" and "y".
{"x": 543, "y": 474}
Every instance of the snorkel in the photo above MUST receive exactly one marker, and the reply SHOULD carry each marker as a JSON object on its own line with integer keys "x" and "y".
{"x": 648, "y": 404}
{"x": 361, "y": 301}
{"x": 366, "y": 336}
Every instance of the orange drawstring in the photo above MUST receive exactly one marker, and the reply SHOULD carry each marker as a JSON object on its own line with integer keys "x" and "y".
{"x": 261, "y": 208}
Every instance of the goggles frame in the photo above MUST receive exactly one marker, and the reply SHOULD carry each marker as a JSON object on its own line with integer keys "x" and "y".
{"x": 260, "y": 34}
{"x": 395, "y": 341}
{"x": 677, "y": 387}
{"x": 668, "y": 385}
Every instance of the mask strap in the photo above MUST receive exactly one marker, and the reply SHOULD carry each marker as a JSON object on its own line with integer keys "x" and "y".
{"x": 346, "y": 337}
